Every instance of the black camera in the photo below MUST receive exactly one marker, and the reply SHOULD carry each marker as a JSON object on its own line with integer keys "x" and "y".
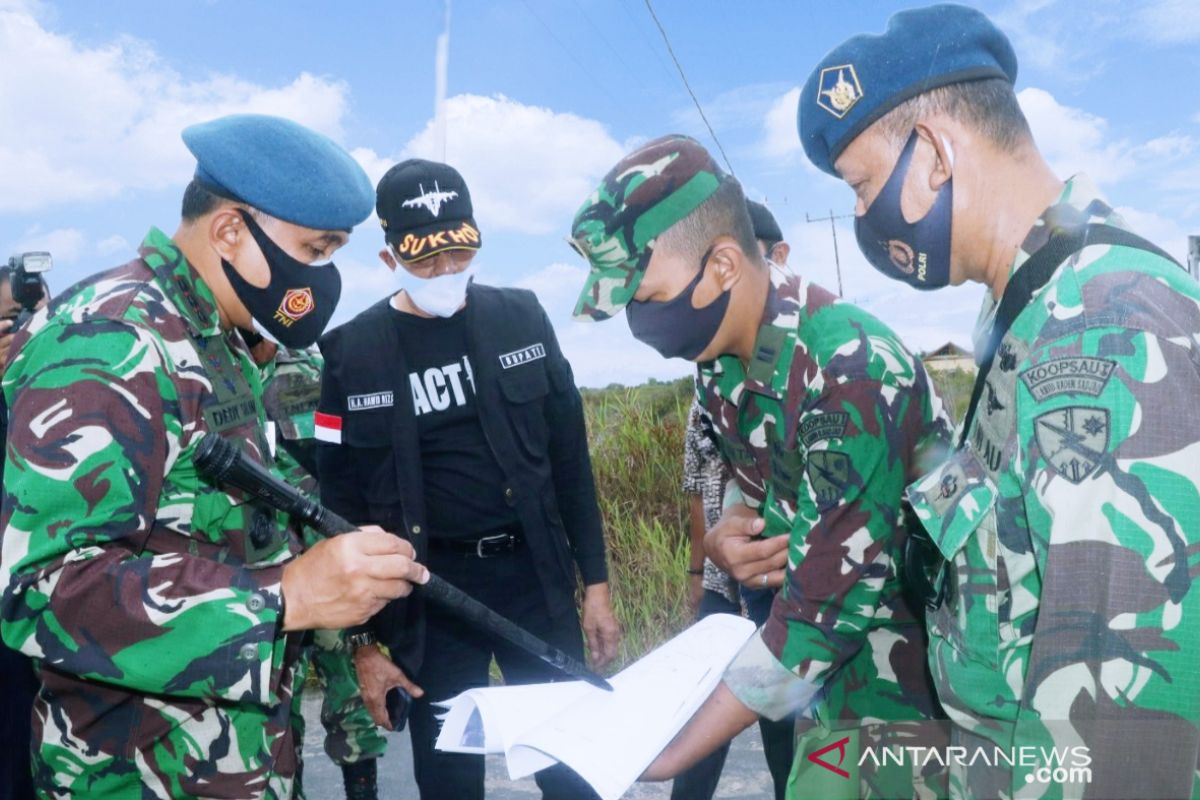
{"x": 28, "y": 286}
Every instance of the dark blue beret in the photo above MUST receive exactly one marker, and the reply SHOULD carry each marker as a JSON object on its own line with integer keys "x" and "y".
{"x": 283, "y": 168}
{"x": 867, "y": 76}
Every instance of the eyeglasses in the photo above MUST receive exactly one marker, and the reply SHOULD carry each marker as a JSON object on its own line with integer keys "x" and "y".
{"x": 459, "y": 258}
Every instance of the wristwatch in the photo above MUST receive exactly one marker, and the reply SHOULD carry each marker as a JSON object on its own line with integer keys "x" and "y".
{"x": 360, "y": 639}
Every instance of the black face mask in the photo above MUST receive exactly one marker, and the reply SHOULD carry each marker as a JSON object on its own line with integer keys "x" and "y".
{"x": 296, "y": 305}
{"x": 917, "y": 253}
{"x": 675, "y": 328}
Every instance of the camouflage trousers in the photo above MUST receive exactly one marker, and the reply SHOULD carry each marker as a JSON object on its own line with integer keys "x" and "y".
{"x": 350, "y": 733}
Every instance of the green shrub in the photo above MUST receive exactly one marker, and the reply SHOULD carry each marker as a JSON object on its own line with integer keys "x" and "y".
{"x": 636, "y": 440}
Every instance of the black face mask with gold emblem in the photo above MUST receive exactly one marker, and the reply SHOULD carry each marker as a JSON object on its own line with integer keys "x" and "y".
{"x": 297, "y": 304}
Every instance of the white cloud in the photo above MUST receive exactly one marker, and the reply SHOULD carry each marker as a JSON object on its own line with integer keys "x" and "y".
{"x": 114, "y": 245}
{"x": 600, "y": 353}
{"x": 780, "y": 138}
{"x": 1167, "y": 233}
{"x": 66, "y": 245}
{"x": 1168, "y": 21}
{"x": 1073, "y": 140}
{"x": 83, "y": 123}
{"x": 528, "y": 167}
{"x": 923, "y": 320}
{"x": 372, "y": 163}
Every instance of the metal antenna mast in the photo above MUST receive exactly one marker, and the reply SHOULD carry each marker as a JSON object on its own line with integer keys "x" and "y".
{"x": 832, "y": 229}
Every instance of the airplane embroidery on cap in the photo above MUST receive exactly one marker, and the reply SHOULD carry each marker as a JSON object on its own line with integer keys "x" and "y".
{"x": 430, "y": 201}
{"x": 838, "y": 90}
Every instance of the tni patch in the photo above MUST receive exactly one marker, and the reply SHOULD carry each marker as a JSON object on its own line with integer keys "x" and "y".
{"x": 1073, "y": 440}
{"x": 828, "y": 474}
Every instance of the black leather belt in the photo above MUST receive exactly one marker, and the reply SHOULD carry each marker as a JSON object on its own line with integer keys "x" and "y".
{"x": 486, "y": 547}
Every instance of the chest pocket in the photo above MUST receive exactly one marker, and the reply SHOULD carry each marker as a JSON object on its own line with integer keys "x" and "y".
{"x": 371, "y": 428}
{"x": 525, "y": 389}
{"x": 524, "y": 384}
{"x": 370, "y": 433}
{"x": 957, "y": 506}
{"x": 787, "y": 469}
{"x": 240, "y": 529}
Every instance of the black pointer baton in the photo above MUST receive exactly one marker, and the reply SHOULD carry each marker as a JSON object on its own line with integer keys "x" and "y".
{"x": 220, "y": 461}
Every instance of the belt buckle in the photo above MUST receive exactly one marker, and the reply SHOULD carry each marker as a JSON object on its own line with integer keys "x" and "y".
{"x": 497, "y": 538}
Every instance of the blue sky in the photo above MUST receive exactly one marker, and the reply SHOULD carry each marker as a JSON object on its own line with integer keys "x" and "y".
{"x": 544, "y": 96}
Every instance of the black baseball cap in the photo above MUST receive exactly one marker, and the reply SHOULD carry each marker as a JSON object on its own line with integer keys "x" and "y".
{"x": 766, "y": 229}
{"x": 425, "y": 209}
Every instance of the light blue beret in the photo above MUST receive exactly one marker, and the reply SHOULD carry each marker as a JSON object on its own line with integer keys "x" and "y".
{"x": 282, "y": 168}
{"x": 868, "y": 75}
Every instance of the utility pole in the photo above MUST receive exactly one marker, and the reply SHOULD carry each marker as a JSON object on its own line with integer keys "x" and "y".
{"x": 832, "y": 229}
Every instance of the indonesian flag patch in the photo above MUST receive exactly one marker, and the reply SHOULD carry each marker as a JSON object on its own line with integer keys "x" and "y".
{"x": 327, "y": 428}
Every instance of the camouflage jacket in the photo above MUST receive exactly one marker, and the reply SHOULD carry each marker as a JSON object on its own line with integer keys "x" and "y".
{"x": 1071, "y": 522}
{"x": 291, "y": 389}
{"x": 822, "y": 431}
{"x": 150, "y": 599}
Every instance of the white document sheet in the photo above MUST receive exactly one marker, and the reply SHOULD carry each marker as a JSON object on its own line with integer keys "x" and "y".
{"x": 609, "y": 738}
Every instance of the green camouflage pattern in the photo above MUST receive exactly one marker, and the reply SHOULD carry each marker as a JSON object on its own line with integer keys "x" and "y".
{"x": 1070, "y": 519}
{"x": 291, "y": 389}
{"x": 350, "y": 733}
{"x": 150, "y": 600}
{"x": 823, "y": 430}
{"x": 646, "y": 193}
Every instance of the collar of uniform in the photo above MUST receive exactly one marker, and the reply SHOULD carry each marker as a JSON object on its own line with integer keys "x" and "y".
{"x": 1078, "y": 204}
{"x": 767, "y": 373}
{"x": 180, "y": 281}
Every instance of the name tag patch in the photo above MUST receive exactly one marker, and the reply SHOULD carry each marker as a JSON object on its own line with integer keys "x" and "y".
{"x": 366, "y": 402}
{"x": 522, "y": 356}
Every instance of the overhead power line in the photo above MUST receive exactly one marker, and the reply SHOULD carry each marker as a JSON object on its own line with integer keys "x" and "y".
{"x": 688, "y": 86}
{"x": 832, "y": 229}
{"x": 571, "y": 54}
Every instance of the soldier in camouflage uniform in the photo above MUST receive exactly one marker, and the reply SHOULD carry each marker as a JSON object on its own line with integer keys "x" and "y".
{"x": 820, "y": 412}
{"x": 291, "y": 390}
{"x": 1067, "y": 523}
{"x": 165, "y": 614}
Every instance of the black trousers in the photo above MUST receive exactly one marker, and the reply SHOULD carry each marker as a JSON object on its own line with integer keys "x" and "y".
{"x": 457, "y": 658}
{"x": 779, "y": 738}
{"x": 18, "y": 686}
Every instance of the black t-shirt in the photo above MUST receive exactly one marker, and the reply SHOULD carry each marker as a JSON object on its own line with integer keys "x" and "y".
{"x": 464, "y": 486}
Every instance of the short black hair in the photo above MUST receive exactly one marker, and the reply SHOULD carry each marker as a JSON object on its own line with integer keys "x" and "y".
{"x": 198, "y": 201}
{"x": 722, "y": 214}
{"x": 989, "y": 106}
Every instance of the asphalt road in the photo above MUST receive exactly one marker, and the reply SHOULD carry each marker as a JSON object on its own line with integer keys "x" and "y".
{"x": 745, "y": 776}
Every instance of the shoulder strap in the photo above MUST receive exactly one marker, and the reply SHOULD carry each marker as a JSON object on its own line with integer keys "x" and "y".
{"x": 1033, "y": 275}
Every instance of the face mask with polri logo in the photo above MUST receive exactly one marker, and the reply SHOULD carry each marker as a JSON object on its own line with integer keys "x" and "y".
{"x": 917, "y": 253}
